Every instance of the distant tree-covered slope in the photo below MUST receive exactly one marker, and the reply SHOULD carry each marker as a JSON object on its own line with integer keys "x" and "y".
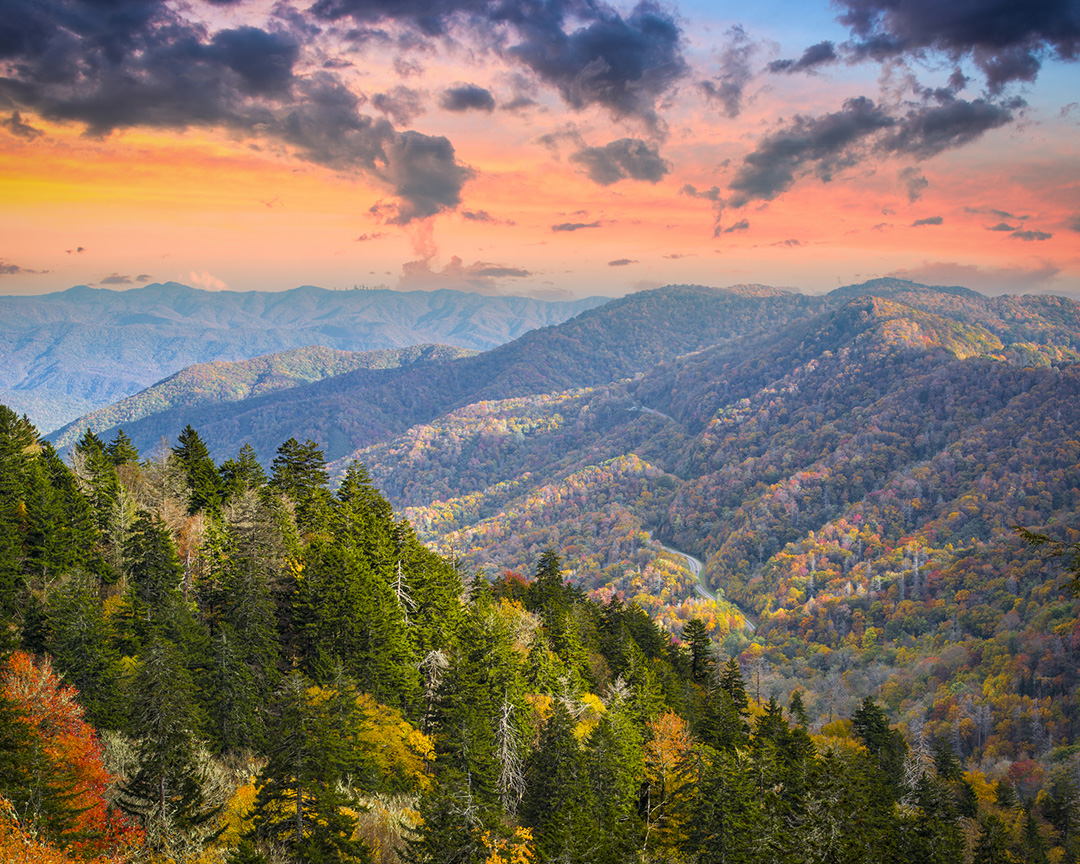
{"x": 65, "y": 354}
{"x": 851, "y": 483}
{"x": 222, "y": 382}
{"x": 620, "y": 339}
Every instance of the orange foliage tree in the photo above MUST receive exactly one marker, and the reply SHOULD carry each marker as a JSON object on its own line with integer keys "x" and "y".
{"x": 70, "y": 748}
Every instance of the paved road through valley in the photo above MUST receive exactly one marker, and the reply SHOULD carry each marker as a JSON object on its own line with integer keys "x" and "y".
{"x": 695, "y": 569}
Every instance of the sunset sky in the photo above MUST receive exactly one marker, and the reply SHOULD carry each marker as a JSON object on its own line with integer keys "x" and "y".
{"x": 554, "y": 148}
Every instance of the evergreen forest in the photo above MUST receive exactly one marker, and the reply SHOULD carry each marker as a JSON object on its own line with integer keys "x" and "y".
{"x": 224, "y": 662}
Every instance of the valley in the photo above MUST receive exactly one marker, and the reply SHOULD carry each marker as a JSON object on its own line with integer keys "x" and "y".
{"x": 815, "y": 495}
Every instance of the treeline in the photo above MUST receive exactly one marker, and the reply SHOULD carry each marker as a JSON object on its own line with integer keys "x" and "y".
{"x": 208, "y": 663}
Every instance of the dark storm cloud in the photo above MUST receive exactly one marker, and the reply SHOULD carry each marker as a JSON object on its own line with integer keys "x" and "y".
{"x": 624, "y": 159}
{"x": 735, "y": 73}
{"x": 929, "y": 220}
{"x": 574, "y": 226}
{"x": 620, "y": 62}
{"x": 430, "y": 16}
{"x": 128, "y": 63}
{"x": 741, "y": 225}
{"x": 1003, "y": 226}
{"x": 822, "y": 145}
{"x": 860, "y": 131}
{"x": 263, "y": 61}
{"x": 1074, "y": 223}
{"x": 116, "y": 279}
{"x": 401, "y": 104}
{"x": 467, "y": 97}
{"x": 1030, "y": 235}
{"x": 928, "y": 130}
{"x": 821, "y": 54}
{"x": 1008, "y": 41}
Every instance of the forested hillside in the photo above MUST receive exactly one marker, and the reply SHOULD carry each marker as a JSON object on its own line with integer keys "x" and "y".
{"x": 69, "y": 353}
{"x": 217, "y": 383}
{"x": 211, "y": 663}
{"x": 852, "y": 484}
{"x": 619, "y": 339}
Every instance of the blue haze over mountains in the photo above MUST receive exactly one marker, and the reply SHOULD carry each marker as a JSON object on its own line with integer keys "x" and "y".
{"x": 65, "y": 354}
{"x": 619, "y": 339}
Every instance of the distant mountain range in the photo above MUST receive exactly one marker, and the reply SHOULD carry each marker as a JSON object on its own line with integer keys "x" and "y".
{"x": 221, "y": 382}
{"x": 65, "y": 354}
{"x": 622, "y": 338}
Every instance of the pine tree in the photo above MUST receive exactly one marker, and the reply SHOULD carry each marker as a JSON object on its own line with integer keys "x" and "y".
{"x": 98, "y": 471}
{"x": 203, "y": 482}
{"x": 731, "y": 683}
{"x": 299, "y": 473}
{"x": 79, "y": 639}
{"x": 153, "y": 599}
{"x": 242, "y": 473}
{"x": 300, "y": 804}
{"x": 121, "y": 451}
{"x": 558, "y": 799}
{"x": 887, "y": 746}
{"x": 993, "y": 844}
{"x": 615, "y": 769}
{"x": 167, "y": 791}
{"x": 697, "y": 638}
{"x": 350, "y": 616}
{"x": 797, "y": 710}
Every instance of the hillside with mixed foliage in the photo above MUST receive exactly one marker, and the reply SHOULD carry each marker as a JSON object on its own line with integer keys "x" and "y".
{"x": 69, "y": 353}
{"x": 851, "y": 483}
{"x": 212, "y": 663}
{"x": 619, "y": 339}
{"x": 221, "y": 382}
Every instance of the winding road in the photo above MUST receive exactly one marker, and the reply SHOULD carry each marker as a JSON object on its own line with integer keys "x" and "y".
{"x": 695, "y": 569}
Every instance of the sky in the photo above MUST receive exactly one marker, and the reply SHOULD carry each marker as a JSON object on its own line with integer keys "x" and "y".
{"x": 551, "y": 148}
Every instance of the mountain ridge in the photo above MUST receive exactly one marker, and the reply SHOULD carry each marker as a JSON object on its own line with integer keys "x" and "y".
{"x": 67, "y": 353}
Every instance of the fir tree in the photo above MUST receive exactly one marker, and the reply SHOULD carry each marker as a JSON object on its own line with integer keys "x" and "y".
{"x": 697, "y": 638}
{"x": 558, "y": 801}
{"x": 121, "y": 451}
{"x": 203, "y": 483}
{"x": 242, "y": 473}
{"x": 167, "y": 791}
{"x": 300, "y": 804}
{"x": 299, "y": 473}
{"x": 886, "y": 745}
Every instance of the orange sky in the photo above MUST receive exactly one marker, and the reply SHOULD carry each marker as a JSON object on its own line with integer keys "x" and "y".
{"x": 217, "y": 206}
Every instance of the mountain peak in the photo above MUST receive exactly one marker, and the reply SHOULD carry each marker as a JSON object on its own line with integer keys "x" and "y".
{"x": 889, "y": 286}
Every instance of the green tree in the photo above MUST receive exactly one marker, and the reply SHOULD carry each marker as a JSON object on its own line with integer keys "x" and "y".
{"x": 299, "y": 473}
{"x": 701, "y": 661}
{"x": 79, "y": 639}
{"x": 301, "y": 805}
{"x": 121, "y": 450}
{"x": 993, "y": 843}
{"x": 558, "y": 801}
{"x": 886, "y": 745}
{"x": 203, "y": 483}
{"x": 242, "y": 473}
{"x": 167, "y": 792}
